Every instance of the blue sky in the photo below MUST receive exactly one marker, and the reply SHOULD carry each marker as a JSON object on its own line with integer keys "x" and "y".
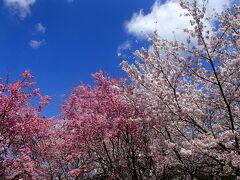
{"x": 62, "y": 43}
{"x": 81, "y": 38}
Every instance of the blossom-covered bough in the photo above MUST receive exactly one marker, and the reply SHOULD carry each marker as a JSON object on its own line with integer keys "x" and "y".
{"x": 193, "y": 89}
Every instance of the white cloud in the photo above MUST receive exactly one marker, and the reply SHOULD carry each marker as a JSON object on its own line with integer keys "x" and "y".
{"x": 165, "y": 18}
{"x": 20, "y": 7}
{"x": 218, "y": 6}
{"x": 36, "y": 44}
{"x": 40, "y": 28}
{"x": 124, "y": 46}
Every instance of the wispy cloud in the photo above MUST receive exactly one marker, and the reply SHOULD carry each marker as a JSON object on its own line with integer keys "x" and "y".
{"x": 40, "y": 28}
{"x": 165, "y": 18}
{"x": 20, "y": 7}
{"x": 35, "y": 44}
{"x": 124, "y": 46}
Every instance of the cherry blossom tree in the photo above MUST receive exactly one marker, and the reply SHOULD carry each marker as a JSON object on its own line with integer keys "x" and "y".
{"x": 20, "y": 124}
{"x": 193, "y": 89}
{"x": 103, "y": 137}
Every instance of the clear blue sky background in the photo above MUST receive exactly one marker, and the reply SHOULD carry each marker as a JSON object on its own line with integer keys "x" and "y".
{"x": 81, "y": 38}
